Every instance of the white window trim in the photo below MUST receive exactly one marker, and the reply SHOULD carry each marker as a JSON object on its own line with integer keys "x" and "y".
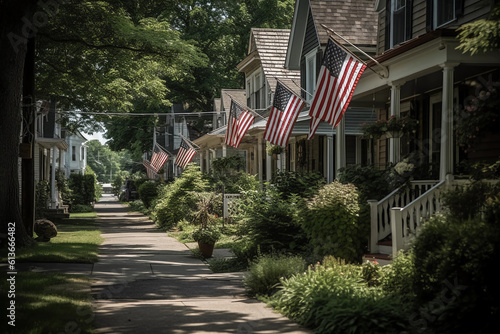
{"x": 310, "y": 58}
{"x": 435, "y": 16}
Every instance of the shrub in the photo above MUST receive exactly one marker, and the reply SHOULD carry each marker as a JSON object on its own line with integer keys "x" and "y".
{"x": 266, "y": 271}
{"x": 332, "y": 299}
{"x": 303, "y": 184}
{"x": 81, "y": 208}
{"x": 177, "y": 200}
{"x": 331, "y": 222}
{"x": 468, "y": 202}
{"x": 398, "y": 276}
{"x": 454, "y": 276}
{"x": 371, "y": 182}
{"x": 83, "y": 188}
{"x": 42, "y": 196}
{"x": 148, "y": 191}
{"x": 267, "y": 221}
{"x": 371, "y": 272}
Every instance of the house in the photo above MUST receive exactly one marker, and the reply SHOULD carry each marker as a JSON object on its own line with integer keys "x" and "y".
{"x": 76, "y": 154}
{"x": 428, "y": 79}
{"x": 49, "y": 151}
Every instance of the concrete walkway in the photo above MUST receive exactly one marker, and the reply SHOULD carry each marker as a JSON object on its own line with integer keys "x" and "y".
{"x": 146, "y": 282}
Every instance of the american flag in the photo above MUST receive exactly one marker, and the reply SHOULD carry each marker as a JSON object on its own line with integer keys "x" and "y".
{"x": 284, "y": 112}
{"x": 239, "y": 121}
{"x": 159, "y": 158}
{"x": 338, "y": 77}
{"x": 149, "y": 170}
{"x": 185, "y": 154}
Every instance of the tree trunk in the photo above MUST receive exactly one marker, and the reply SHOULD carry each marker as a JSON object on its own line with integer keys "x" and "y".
{"x": 15, "y": 16}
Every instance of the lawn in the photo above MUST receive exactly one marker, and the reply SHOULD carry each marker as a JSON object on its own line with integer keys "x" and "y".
{"x": 49, "y": 303}
{"x": 77, "y": 241}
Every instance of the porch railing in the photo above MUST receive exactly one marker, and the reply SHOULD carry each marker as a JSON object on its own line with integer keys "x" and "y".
{"x": 380, "y": 211}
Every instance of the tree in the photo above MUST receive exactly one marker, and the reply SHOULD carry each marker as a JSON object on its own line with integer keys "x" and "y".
{"x": 481, "y": 35}
{"x": 93, "y": 56}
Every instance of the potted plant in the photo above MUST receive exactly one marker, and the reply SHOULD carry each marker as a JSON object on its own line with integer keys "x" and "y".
{"x": 208, "y": 233}
{"x": 206, "y": 238}
{"x": 398, "y": 126}
{"x": 274, "y": 149}
{"x": 374, "y": 130}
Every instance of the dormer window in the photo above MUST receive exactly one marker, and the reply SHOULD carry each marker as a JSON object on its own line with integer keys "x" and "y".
{"x": 310, "y": 74}
{"x": 444, "y": 12}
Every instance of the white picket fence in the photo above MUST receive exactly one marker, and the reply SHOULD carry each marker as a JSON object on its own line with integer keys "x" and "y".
{"x": 229, "y": 209}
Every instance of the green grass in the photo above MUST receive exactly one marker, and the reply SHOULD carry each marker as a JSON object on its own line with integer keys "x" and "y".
{"x": 77, "y": 241}
{"x": 49, "y": 303}
{"x": 83, "y": 215}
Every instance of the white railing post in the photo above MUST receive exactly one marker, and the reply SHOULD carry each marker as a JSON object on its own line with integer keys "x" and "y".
{"x": 397, "y": 231}
{"x": 373, "y": 225}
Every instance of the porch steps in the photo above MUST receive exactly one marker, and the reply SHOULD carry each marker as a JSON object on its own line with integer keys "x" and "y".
{"x": 384, "y": 256}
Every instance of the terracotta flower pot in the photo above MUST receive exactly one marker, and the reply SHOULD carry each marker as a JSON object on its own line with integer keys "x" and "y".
{"x": 206, "y": 249}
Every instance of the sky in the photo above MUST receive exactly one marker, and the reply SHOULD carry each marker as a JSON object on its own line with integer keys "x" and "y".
{"x": 96, "y": 135}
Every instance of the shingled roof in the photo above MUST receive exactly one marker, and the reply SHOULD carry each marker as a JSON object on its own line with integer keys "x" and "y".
{"x": 270, "y": 46}
{"x": 355, "y": 20}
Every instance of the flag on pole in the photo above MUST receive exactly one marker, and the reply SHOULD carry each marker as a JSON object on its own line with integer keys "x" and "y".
{"x": 159, "y": 158}
{"x": 284, "y": 112}
{"x": 185, "y": 154}
{"x": 149, "y": 170}
{"x": 239, "y": 121}
{"x": 338, "y": 77}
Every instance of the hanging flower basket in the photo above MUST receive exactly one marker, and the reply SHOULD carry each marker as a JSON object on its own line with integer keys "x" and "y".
{"x": 394, "y": 134}
{"x": 274, "y": 149}
{"x": 374, "y": 130}
{"x": 394, "y": 127}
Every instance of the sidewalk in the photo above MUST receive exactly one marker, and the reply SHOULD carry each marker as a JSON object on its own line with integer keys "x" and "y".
{"x": 146, "y": 281}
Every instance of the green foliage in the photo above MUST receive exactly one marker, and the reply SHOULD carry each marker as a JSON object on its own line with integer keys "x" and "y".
{"x": 178, "y": 200}
{"x": 83, "y": 188}
{"x": 453, "y": 274}
{"x": 331, "y": 220}
{"x": 481, "y": 35}
{"x": 267, "y": 221}
{"x": 303, "y": 184}
{"x": 266, "y": 271}
{"x": 226, "y": 265}
{"x": 207, "y": 235}
{"x": 371, "y": 182}
{"x": 399, "y": 275}
{"x": 333, "y": 299}
{"x": 42, "y": 196}
{"x": 371, "y": 272}
{"x": 81, "y": 208}
{"x": 227, "y": 175}
{"x": 228, "y": 165}
{"x": 148, "y": 191}
{"x": 63, "y": 186}
{"x": 469, "y": 201}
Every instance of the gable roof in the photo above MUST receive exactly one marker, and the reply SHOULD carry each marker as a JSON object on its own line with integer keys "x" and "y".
{"x": 238, "y": 95}
{"x": 355, "y": 20}
{"x": 269, "y": 46}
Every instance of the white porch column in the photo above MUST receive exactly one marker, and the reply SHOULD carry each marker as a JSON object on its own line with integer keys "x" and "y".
{"x": 224, "y": 150}
{"x": 53, "y": 194}
{"x": 201, "y": 161}
{"x": 395, "y": 143}
{"x": 269, "y": 166}
{"x": 330, "y": 159}
{"x": 446, "y": 158}
{"x": 255, "y": 160}
{"x": 260, "y": 158}
{"x": 340, "y": 146}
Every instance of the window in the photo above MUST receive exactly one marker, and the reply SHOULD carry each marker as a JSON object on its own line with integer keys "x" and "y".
{"x": 255, "y": 91}
{"x": 444, "y": 12}
{"x": 398, "y": 19}
{"x": 73, "y": 153}
{"x": 310, "y": 74}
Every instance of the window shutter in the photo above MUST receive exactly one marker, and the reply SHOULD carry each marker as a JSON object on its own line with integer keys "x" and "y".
{"x": 303, "y": 77}
{"x": 387, "y": 25}
{"x": 428, "y": 15}
{"x": 459, "y": 8}
{"x": 409, "y": 19}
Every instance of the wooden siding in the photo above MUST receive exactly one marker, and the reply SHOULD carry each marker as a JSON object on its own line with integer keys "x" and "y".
{"x": 474, "y": 10}
{"x": 310, "y": 39}
{"x": 419, "y": 18}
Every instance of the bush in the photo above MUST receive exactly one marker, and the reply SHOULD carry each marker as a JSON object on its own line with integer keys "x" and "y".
{"x": 331, "y": 222}
{"x": 371, "y": 182}
{"x": 399, "y": 275}
{"x": 266, "y": 271}
{"x": 303, "y": 184}
{"x": 469, "y": 202}
{"x": 455, "y": 280}
{"x": 148, "y": 191}
{"x": 83, "y": 188}
{"x": 331, "y": 298}
{"x": 177, "y": 200}
{"x": 267, "y": 222}
{"x": 42, "y": 196}
{"x": 81, "y": 208}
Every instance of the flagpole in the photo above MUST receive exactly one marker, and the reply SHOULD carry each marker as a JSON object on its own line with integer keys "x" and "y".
{"x": 302, "y": 89}
{"x": 386, "y": 71}
{"x": 253, "y": 111}
{"x": 288, "y": 87}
